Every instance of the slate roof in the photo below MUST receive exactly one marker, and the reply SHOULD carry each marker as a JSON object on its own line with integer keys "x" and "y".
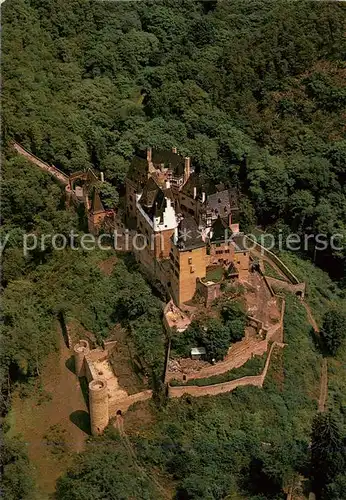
{"x": 197, "y": 181}
{"x": 239, "y": 243}
{"x": 170, "y": 160}
{"x": 222, "y": 203}
{"x": 220, "y": 230}
{"x": 149, "y": 193}
{"x": 189, "y": 237}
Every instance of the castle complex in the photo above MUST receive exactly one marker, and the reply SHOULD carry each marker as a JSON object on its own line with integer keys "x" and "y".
{"x": 190, "y": 225}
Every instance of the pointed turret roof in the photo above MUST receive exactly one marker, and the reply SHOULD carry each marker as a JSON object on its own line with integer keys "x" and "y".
{"x": 149, "y": 194}
{"x": 220, "y": 230}
{"x": 96, "y": 203}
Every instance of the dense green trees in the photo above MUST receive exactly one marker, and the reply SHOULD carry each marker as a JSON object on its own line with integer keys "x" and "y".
{"x": 16, "y": 470}
{"x": 333, "y": 330}
{"x": 255, "y": 95}
{"x": 328, "y": 457}
{"x": 105, "y": 470}
{"x": 215, "y": 334}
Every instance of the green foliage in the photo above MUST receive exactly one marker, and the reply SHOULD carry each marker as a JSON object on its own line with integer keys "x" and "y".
{"x": 216, "y": 335}
{"x": 321, "y": 290}
{"x": 109, "y": 195}
{"x": 105, "y": 470}
{"x": 254, "y": 95}
{"x": 253, "y": 366}
{"x": 17, "y": 473}
{"x": 333, "y": 330}
{"x": 55, "y": 439}
{"x": 328, "y": 457}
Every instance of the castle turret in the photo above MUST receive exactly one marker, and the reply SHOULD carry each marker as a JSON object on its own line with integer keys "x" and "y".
{"x": 80, "y": 351}
{"x": 98, "y": 406}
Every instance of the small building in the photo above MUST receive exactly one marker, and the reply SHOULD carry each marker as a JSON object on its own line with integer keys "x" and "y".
{"x": 198, "y": 352}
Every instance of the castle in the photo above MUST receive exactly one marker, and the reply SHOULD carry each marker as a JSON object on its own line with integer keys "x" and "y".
{"x": 82, "y": 186}
{"x": 189, "y": 224}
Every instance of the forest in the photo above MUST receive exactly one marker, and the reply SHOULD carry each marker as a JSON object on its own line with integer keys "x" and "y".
{"x": 255, "y": 93}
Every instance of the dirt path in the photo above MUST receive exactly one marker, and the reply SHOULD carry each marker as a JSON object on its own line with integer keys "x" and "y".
{"x": 324, "y": 372}
{"x": 311, "y": 319}
{"x": 324, "y": 387}
{"x": 119, "y": 424}
{"x": 63, "y": 407}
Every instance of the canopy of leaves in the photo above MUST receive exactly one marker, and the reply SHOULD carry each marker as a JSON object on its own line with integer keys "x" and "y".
{"x": 216, "y": 335}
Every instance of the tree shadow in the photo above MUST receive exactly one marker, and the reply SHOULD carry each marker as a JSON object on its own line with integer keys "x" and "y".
{"x": 81, "y": 419}
{"x": 84, "y": 386}
{"x": 69, "y": 363}
{"x": 61, "y": 319}
{"x": 318, "y": 343}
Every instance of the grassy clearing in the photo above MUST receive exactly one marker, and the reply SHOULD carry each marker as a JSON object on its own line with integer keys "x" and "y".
{"x": 337, "y": 381}
{"x": 271, "y": 272}
{"x": 214, "y": 274}
{"x": 321, "y": 290}
{"x": 48, "y": 419}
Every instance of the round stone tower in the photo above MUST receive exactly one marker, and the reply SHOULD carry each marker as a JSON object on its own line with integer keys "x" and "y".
{"x": 98, "y": 406}
{"x": 80, "y": 350}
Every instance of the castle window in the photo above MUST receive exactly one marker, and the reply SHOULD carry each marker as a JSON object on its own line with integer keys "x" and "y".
{"x": 218, "y": 244}
{"x": 226, "y": 251}
{"x": 190, "y": 260}
{"x": 131, "y": 199}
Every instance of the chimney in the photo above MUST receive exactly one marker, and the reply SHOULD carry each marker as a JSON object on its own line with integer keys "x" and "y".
{"x": 187, "y": 169}
{"x": 194, "y": 193}
{"x": 102, "y": 176}
{"x": 174, "y": 150}
{"x": 149, "y": 154}
{"x": 168, "y": 184}
{"x": 203, "y": 197}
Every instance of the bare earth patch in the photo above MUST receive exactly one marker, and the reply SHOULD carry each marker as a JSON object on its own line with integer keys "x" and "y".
{"x": 54, "y": 425}
{"x": 107, "y": 265}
